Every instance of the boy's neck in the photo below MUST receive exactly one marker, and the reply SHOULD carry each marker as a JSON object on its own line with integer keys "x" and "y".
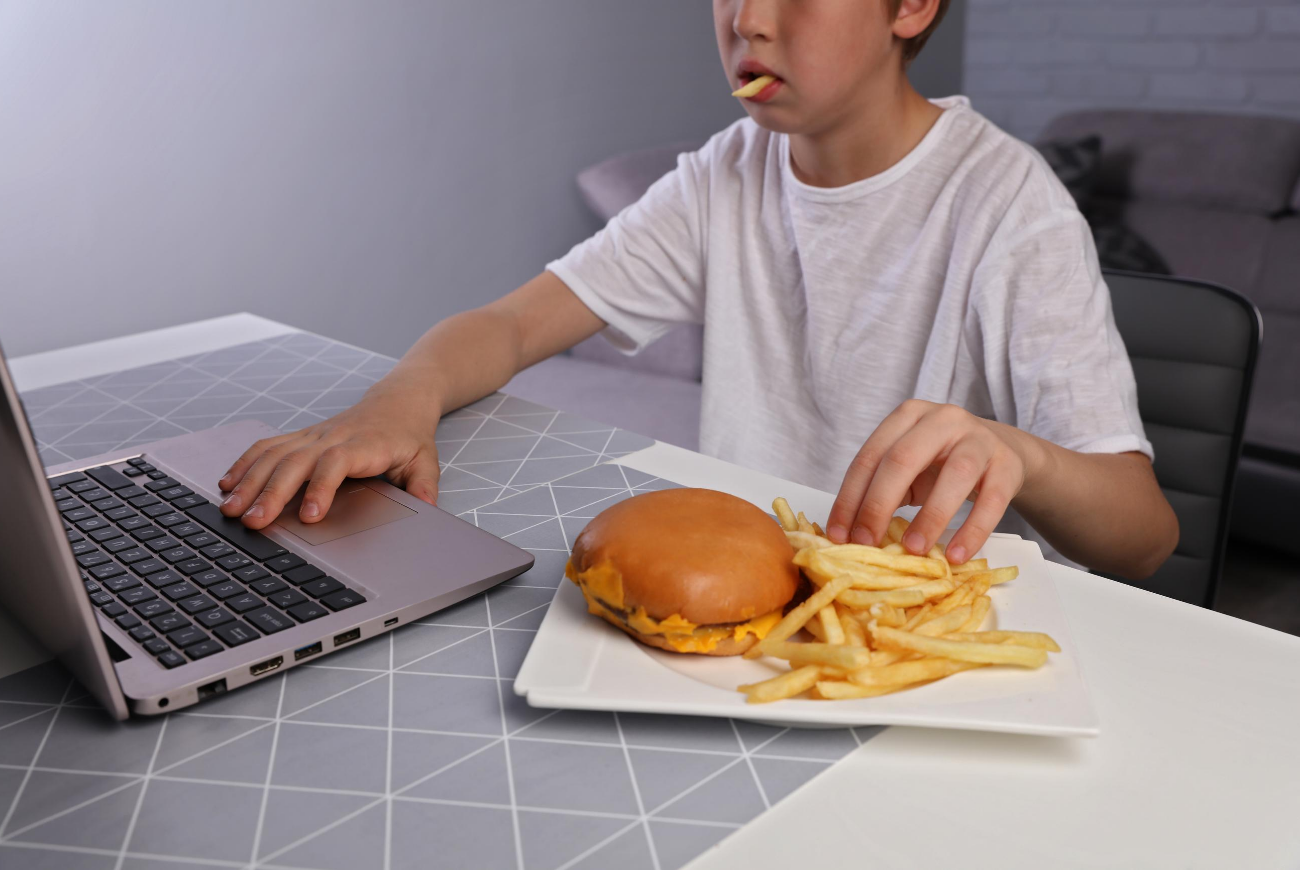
{"x": 881, "y": 131}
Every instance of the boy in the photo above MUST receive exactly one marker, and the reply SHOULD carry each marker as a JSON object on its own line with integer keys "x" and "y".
{"x": 889, "y": 285}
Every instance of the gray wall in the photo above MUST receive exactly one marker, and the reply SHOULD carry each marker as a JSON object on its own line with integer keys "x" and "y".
{"x": 361, "y": 169}
{"x": 1028, "y": 61}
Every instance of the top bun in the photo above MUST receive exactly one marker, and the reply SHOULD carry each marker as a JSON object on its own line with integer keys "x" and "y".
{"x": 703, "y": 555}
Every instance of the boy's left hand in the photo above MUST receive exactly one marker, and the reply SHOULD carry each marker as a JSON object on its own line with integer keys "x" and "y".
{"x": 936, "y": 456}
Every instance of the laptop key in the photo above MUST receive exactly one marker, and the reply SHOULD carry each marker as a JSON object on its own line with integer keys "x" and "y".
{"x": 127, "y": 621}
{"x": 188, "y": 501}
{"x": 94, "y": 494}
{"x": 133, "y": 555}
{"x": 120, "y": 583}
{"x": 322, "y": 587}
{"x": 103, "y": 572}
{"x": 187, "y": 636}
{"x": 132, "y": 471}
{"x": 73, "y": 536}
{"x": 156, "y": 474}
{"x": 148, "y": 566}
{"x": 146, "y": 468}
{"x": 66, "y": 504}
{"x": 208, "y": 578}
{"x": 214, "y": 617}
{"x": 193, "y": 566}
{"x": 137, "y": 594}
{"x": 141, "y": 633}
{"x": 113, "y": 609}
{"x": 287, "y": 562}
{"x": 177, "y": 554}
{"x": 187, "y": 528}
{"x": 169, "y": 520}
{"x": 148, "y": 533}
{"x": 81, "y": 486}
{"x": 78, "y": 513}
{"x": 156, "y": 645}
{"x": 109, "y": 478}
{"x": 82, "y": 547}
{"x": 343, "y": 600}
{"x": 144, "y": 501}
{"x": 250, "y": 573}
{"x": 166, "y": 542}
{"x": 117, "y": 545}
{"x": 171, "y": 659}
{"x": 268, "y": 586}
{"x": 104, "y": 505}
{"x": 202, "y": 650}
{"x": 65, "y": 479}
{"x": 137, "y": 461}
{"x": 158, "y": 510}
{"x": 286, "y": 599}
{"x": 228, "y": 589}
{"x": 174, "y": 492}
{"x": 163, "y": 578}
{"x": 197, "y": 604}
{"x": 91, "y": 559}
{"x": 233, "y": 561}
{"x": 91, "y": 586}
{"x": 177, "y": 591}
{"x": 131, "y": 523}
{"x": 150, "y": 609}
{"x": 107, "y": 534}
{"x": 217, "y": 550}
{"x": 168, "y": 622}
{"x": 101, "y": 598}
{"x": 257, "y": 545}
{"x": 307, "y": 611}
{"x": 269, "y": 620}
{"x": 161, "y": 483}
{"x": 235, "y": 633}
{"x": 92, "y": 523}
{"x": 243, "y": 603}
{"x": 119, "y": 513}
{"x": 130, "y": 492}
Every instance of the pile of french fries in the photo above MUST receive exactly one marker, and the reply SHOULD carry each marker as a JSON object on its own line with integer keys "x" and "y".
{"x": 882, "y": 619}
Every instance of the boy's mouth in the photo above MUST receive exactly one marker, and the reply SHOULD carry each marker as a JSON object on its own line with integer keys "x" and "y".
{"x": 757, "y": 83}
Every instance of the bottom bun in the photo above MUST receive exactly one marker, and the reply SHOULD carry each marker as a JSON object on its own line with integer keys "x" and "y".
{"x": 727, "y": 647}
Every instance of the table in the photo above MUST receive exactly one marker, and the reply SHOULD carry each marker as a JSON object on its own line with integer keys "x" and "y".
{"x": 1194, "y": 767}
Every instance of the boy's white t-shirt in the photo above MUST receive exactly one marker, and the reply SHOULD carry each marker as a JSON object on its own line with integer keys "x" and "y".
{"x": 962, "y": 274}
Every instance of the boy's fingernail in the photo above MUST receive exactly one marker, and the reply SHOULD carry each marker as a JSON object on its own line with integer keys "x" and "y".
{"x": 309, "y": 509}
{"x": 914, "y": 542}
{"x": 254, "y": 512}
{"x": 861, "y": 535}
{"x": 225, "y": 480}
{"x": 837, "y": 533}
{"x": 956, "y": 555}
{"x": 232, "y": 500}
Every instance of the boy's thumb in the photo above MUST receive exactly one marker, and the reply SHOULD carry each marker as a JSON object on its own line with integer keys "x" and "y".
{"x": 423, "y": 480}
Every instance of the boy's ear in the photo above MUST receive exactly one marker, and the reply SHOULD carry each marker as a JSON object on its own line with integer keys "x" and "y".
{"x": 913, "y": 17}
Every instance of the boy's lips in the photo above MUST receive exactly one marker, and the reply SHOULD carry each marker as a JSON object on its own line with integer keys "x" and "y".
{"x": 768, "y": 92}
{"x": 748, "y": 71}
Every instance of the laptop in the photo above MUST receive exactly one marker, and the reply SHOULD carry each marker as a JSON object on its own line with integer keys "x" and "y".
{"x": 123, "y": 566}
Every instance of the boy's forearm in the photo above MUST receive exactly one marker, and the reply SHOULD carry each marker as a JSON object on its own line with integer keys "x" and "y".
{"x": 474, "y": 353}
{"x": 1102, "y": 510}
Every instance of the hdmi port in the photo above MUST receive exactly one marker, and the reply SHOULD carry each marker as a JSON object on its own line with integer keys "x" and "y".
{"x": 263, "y": 667}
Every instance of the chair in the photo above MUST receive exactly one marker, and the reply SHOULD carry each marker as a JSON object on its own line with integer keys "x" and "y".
{"x": 1193, "y": 346}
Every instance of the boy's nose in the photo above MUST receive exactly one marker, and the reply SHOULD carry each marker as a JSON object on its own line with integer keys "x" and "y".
{"x": 754, "y": 20}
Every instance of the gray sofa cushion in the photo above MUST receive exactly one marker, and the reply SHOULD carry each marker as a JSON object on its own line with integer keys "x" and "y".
{"x": 612, "y": 185}
{"x": 679, "y": 354}
{"x": 1237, "y": 162}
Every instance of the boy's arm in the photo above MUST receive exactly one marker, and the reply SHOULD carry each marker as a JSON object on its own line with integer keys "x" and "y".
{"x": 1105, "y": 511}
{"x": 391, "y": 430}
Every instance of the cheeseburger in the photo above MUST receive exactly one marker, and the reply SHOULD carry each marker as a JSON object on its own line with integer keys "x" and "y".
{"x": 686, "y": 570}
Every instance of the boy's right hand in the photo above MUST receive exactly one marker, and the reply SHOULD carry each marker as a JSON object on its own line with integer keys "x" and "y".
{"x": 382, "y": 434}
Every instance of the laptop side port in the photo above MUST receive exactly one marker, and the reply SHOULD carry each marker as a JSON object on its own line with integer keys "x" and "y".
{"x": 388, "y": 622}
{"x": 267, "y": 666}
{"x": 212, "y": 689}
{"x": 303, "y": 651}
{"x": 347, "y": 636}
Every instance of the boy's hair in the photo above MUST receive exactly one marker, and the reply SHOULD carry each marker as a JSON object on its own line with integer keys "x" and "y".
{"x": 913, "y": 46}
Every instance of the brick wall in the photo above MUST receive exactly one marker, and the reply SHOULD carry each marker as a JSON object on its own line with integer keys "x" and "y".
{"x": 1028, "y": 61}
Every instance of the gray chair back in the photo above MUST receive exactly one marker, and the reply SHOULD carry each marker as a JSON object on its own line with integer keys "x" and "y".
{"x": 1193, "y": 346}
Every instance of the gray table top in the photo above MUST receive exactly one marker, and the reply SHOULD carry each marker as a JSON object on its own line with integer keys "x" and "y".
{"x": 410, "y": 750}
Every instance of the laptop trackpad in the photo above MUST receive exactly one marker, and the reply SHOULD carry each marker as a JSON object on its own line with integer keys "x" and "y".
{"x": 356, "y": 508}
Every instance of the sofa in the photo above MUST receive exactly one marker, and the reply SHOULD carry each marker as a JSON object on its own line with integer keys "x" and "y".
{"x": 1217, "y": 196}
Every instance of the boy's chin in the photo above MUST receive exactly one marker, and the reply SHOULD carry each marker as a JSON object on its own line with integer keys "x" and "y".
{"x": 779, "y": 119}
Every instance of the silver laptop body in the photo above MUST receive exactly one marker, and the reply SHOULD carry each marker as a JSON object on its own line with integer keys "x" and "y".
{"x": 388, "y": 557}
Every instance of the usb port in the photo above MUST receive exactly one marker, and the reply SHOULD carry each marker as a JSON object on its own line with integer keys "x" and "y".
{"x": 347, "y": 636}
{"x": 388, "y": 622}
{"x": 303, "y": 651}
{"x": 211, "y": 689}
{"x": 264, "y": 667}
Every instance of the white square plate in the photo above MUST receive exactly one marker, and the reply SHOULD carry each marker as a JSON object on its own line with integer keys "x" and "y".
{"x": 580, "y": 662}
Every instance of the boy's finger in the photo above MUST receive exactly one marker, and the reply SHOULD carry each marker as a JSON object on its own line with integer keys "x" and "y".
{"x": 254, "y": 479}
{"x": 996, "y": 491}
{"x": 332, "y": 468}
{"x": 958, "y": 476}
{"x": 236, "y": 472}
{"x": 422, "y": 476}
{"x": 861, "y": 470}
{"x": 902, "y": 463}
{"x": 288, "y": 474}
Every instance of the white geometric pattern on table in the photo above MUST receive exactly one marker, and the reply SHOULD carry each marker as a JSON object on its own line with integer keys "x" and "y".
{"x": 408, "y": 751}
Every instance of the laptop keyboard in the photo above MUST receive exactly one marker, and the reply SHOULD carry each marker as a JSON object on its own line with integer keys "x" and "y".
{"x": 183, "y": 580}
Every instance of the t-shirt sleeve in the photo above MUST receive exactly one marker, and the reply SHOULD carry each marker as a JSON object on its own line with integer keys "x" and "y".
{"x": 644, "y": 272}
{"x": 1055, "y": 363}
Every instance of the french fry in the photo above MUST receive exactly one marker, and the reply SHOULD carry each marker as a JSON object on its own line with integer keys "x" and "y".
{"x": 752, "y": 89}
{"x": 915, "y": 619}
{"x": 832, "y": 655}
{"x": 922, "y": 566}
{"x": 887, "y": 614}
{"x": 905, "y": 673}
{"x": 971, "y": 565}
{"x": 940, "y": 626}
{"x": 821, "y": 568}
{"x": 806, "y": 541}
{"x": 804, "y": 525}
{"x": 814, "y": 627}
{"x": 881, "y": 658}
{"x": 854, "y": 634}
{"x": 962, "y": 651}
{"x": 841, "y": 691}
{"x": 781, "y": 508}
{"x": 819, "y": 531}
{"x": 831, "y": 624}
{"x": 894, "y": 549}
{"x": 909, "y": 596}
{"x": 979, "y": 610}
{"x": 1033, "y": 639}
{"x": 795, "y": 619}
{"x": 897, "y": 528}
{"x": 1001, "y": 575}
{"x": 783, "y": 686}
